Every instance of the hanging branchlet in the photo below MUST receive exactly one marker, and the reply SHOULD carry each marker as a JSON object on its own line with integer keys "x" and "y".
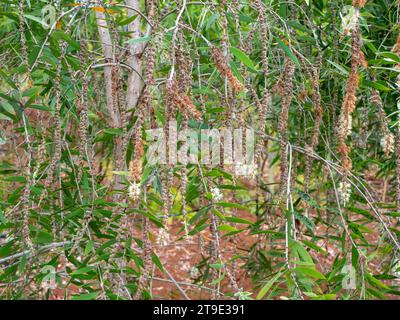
{"x": 57, "y": 121}
{"x": 135, "y": 167}
{"x": 345, "y": 119}
{"x": 185, "y": 65}
{"x": 167, "y": 172}
{"x": 264, "y": 36}
{"x": 349, "y": 101}
{"x": 236, "y": 10}
{"x": 40, "y": 155}
{"x": 224, "y": 25}
{"x": 248, "y": 42}
{"x": 261, "y": 107}
{"x": 151, "y": 55}
{"x": 184, "y": 177}
{"x": 24, "y": 50}
{"x": 316, "y": 101}
{"x": 27, "y": 194}
{"x": 163, "y": 235}
{"x": 336, "y": 54}
{"x": 230, "y": 272}
{"x": 147, "y": 251}
{"x": 215, "y": 244}
{"x": 224, "y": 70}
{"x": 25, "y": 214}
{"x": 265, "y": 106}
{"x": 349, "y": 104}
{"x": 396, "y": 50}
{"x": 387, "y": 140}
{"x": 27, "y": 187}
{"x": 84, "y": 145}
{"x": 288, "y": 78}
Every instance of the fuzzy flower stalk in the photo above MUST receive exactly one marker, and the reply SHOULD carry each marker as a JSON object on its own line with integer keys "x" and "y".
{"x": 387, "y": 140}
{"x": 396, "y": 50}
{"x": 224, "y": 70}
{"x": 350, "y": 97}
{"x": 288, "y": 78}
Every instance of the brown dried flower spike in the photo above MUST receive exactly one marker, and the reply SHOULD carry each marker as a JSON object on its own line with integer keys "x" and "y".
{"x": 182, "y": 101}
{"x": 359, "y": 3}
{"x": 396, "y": 48}
{"x": 224, "y": 69}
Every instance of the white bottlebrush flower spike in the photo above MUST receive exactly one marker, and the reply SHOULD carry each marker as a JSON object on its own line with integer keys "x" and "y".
{"x": 163, "y": 238}
{"x": 349, "y": 124}
{"x": 344, "y": 192}
{"x": 194, "y": 272}
{"x": 387, "y": 143}
{"x": 216, "y": 194}
{"x": 349, "y": 21}
{"x": 134, "y": 191}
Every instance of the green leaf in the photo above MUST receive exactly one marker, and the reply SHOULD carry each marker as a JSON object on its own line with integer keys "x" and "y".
{"x": 225, "y": 227}
{"x": 304, "y": 220}
{"x": 15, "y": 179}
{"x": 87, "y": 296}
{"x": 339, "y": 67}
{"x": 114, "y": 131}
{"x": 243, "y": 58}
{"x": 328, "y": 296}
{"x": 9, "y": 81}
{"x": 393, "y": 58}
{"x": 82, "y": 271}
{"x": 238, "y": 220}
{"x": 314, "y": 246}
{"x": 300, "y": 252}
{"x": 375, "y": 282}
{"x": 89, "y": 247}
{"x": 128, "y": 20}
{"x": 287, "y": 50}
{"x": 138, "y": 40}
{"x": 309, "y": 272}
{"x": 217, "y": 265}
{"x": 231, "y": 205}
{"x": 157, "y": 262}
{"x": 375, "y": 84}
{"x": 37, "y": 19}
{"x": 268, "y": 286}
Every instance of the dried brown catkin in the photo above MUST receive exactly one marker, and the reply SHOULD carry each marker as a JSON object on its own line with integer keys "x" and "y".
{"x": 224, "y": 70}
{"x": 288, "y": 77}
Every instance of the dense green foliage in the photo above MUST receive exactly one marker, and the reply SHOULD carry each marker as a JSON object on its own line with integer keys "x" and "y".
{"x": 84, "y": 214}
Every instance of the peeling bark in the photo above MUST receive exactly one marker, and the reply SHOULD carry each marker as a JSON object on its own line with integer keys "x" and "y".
{"x": 106, "y": 45}
{"x": 134, "y": 80}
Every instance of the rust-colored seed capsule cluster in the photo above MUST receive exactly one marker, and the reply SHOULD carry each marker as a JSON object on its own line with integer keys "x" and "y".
{"x": 350, "y": 98}
{"x": 396, "y": 50}
{"x": 181, "y": 101}
{"x": 224, "y": 69}
{"x": 359, "y": 3}
{"x": 288, "y": 77}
